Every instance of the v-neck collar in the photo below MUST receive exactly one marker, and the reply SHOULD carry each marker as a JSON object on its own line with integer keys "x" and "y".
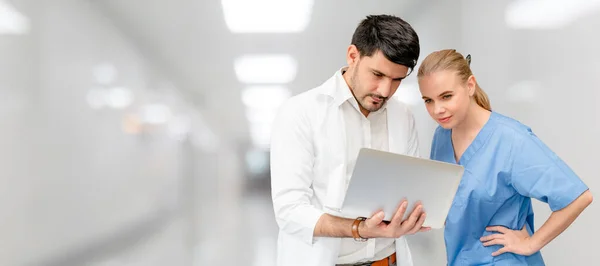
{"x": 481, "y": 138}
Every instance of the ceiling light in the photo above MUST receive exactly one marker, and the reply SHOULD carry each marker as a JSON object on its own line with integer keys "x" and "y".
{"x": 11, "y": 20}
{"x": 267, "y": 16}
{"x": 265, "y": 69}
{"x": 261, "y": 136}
{"x": 119, "y": 97}
{"x": 547, "y": 14}
{"x": 265, "y": 97}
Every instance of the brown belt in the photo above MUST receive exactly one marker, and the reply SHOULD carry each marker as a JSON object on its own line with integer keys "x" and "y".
{"x": 385, "y": 261}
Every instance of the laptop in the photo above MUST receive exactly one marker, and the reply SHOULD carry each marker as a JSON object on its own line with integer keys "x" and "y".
{"x": 380, "y": 180}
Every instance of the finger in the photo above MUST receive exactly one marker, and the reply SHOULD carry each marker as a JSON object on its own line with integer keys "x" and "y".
{"x": 425, "y": 229}
{"x": 418, "y": 225}
{"x": 494, "y": 242}
{"x": 417, "y": 204}
{"x": 490, "y": 237}
{"x": 412, "y": 219}
{"x": 422, "y": 219}
{"x": 375, "y": 220}
{"x": 500, "y": 229}
{"x": 500, "y": 251}
{"x": 409, "y": 226}
{"x": 397, "y": 219}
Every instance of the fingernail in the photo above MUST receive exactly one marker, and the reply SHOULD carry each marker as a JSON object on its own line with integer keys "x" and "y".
{"x": 381, "y": 214}
{"x": 404, "y": 204}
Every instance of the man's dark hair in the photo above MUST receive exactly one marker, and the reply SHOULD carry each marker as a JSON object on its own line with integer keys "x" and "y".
{"x": 391, "y": 35}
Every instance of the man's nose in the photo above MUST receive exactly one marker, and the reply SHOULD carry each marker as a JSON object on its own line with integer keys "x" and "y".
{"x": 385, "y": 88}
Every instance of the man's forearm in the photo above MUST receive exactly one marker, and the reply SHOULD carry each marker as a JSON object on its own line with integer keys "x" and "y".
{"x": 332, "y": 226}
{"x": 559, "y": 221}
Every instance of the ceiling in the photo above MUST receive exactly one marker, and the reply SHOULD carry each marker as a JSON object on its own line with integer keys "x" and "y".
{"x": 190, "y": 41}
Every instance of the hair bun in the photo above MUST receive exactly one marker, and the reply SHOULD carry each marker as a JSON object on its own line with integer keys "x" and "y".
{"x": 468, "y": 58}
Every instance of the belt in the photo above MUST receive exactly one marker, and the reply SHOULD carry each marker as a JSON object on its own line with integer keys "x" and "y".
{"x": 387, "y": 261}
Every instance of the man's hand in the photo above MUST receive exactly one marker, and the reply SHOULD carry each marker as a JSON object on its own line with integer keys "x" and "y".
{"x": 375, "y": 227}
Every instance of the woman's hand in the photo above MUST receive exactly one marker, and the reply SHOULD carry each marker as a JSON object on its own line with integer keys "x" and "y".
{"x": 517, "y": 242}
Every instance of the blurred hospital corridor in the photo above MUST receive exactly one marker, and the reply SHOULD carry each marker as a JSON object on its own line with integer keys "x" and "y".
{"x": 136, "y": 132}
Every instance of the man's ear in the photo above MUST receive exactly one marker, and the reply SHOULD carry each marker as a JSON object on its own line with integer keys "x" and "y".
{"x": 353, "y": 55}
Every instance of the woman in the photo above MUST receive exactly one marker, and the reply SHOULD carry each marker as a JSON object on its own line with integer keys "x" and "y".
{"x": 491, "y": 219}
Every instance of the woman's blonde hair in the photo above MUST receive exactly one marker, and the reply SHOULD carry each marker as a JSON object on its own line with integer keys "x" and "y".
{"x": 452, "y": 60}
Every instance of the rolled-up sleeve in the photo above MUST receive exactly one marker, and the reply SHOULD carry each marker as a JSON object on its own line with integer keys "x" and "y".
{"x": 292, "y": 159}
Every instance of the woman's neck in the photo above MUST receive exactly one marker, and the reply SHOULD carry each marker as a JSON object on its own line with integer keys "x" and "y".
{"x": 473, "y": 123}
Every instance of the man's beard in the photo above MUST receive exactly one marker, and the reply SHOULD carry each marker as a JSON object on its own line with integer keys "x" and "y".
{"x": 374, "y": 107}
{"x": 357, "y": 87}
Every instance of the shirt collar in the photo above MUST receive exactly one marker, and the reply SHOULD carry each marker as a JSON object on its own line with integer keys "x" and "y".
{"x": 342, "y": 91}
{"x": 344, "y": 94}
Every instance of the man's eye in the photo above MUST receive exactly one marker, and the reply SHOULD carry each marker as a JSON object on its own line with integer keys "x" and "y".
{"x": 447, "y": 96}
{"x": 378, "y": 74}
{"x": 428, "y": 101}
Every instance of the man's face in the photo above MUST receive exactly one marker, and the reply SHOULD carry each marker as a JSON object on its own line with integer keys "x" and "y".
{"x": 373, "y": 79}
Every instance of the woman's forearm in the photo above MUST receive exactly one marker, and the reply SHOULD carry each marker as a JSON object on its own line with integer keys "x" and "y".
{"x": 559, "y": 221}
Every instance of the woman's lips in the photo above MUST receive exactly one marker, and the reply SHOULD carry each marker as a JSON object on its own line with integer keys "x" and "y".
{"x": 445, "y": 119}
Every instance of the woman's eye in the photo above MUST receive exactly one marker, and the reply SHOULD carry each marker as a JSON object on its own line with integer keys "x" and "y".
{"x": 447, "y": 96}
{"x": 428, "y": 101}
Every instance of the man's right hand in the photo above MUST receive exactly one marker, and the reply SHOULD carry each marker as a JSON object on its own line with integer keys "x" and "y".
{"x": 375, "y": 227}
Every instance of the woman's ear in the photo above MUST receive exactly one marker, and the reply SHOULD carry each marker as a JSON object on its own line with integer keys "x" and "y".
{"x": 471, "y": 85}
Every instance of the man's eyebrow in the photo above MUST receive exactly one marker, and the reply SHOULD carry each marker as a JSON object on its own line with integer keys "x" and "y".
{"x": 383, "y": 74}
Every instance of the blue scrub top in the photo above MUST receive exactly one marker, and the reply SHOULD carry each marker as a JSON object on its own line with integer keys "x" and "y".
{"x": 505, "y": 166}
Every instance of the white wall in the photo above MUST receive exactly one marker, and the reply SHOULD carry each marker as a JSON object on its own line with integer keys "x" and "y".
{"x": 547, "y": 79}
{"x": 75, "y": 187}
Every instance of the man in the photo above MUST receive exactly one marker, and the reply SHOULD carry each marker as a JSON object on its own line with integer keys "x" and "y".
{"x": 315, "y": 143}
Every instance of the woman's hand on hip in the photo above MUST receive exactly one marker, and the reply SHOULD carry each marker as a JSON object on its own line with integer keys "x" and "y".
{"x": 514, "y": 241}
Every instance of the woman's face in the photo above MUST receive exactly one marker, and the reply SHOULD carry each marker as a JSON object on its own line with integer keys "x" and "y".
{"x": 447, "y": 98}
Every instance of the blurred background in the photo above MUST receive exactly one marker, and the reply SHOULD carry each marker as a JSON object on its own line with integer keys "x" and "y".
{"x": 136, "y": 132}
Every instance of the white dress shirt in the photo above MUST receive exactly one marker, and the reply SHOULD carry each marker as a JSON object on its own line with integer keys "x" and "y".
{"x": 314, "y": 144}
{"x": 368, "y": 132}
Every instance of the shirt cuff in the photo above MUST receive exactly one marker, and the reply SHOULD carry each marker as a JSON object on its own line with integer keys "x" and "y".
{"x": 309, "y": 222}
{"x": 302, "y": 222}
